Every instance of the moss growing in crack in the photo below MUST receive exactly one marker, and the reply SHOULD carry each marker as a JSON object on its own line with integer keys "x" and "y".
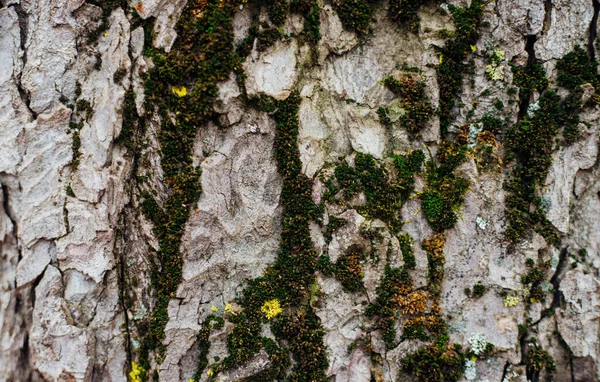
{"x": 395, "y": 283}
{"x": 537, "y": 359}
{"x": 434, "y": 247}
{"x": 491, "y": 124}
{"x": 530, "y": 142}
{"x": 478, "y": 290}
{"x": 444, "y": 191}
{"x": 312, "y": 24}
{"x": 84, "y": 109}
{"x": 201, "y": 57}
{"x": 355, "y": 15}
{"x": 416, "y": 105}
{"x": 408, "y": 255}
{"x": 278, "y": 11}
{"x": 75, "y": 146}
{"x": 107, "y": 6}
{"x": 383, "y": 197}
{"x": 131, "y": 122}
{"x": 335, "y": 223}
{"x": 385, "y": 190}
{"x": 576, "y": 68}
{"x": 385, "y": 120}
{"x": 440, "y": 361}
{"x": 347, "y": 269}
{"x": 534, "y": 280}
{"x": 210, "y": 322}
{"x": 452, "y": 69}
{"x": 529, "y": 79}
{"x": 289, "y": 280}
{"x": 404, "y": 12}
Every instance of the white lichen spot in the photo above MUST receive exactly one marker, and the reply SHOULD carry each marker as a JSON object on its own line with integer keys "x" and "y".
{"x": 478, "y": 343}
{"x": 470, "y": 370}
{"x": 481, "y": 223}
{"x": 510, "y": 374}
{"x": 533, "y": 108}
{"x": 140, "y": 313}
{"x": 474, "y": 130}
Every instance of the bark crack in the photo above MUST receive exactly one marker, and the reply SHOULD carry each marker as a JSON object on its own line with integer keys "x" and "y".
{"x": 23, "y": 31}
{"x": 593, "y": 30}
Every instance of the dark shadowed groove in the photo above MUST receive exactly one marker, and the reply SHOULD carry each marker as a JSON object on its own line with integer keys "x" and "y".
{"x": 530, "y": 49}
{"x": 593, "y": 30}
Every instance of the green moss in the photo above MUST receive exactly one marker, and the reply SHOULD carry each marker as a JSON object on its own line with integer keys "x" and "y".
{"x": 416, "y": 105}
{"x": 478, "y": 290}
{"x": 278, "y": 11}
{"x": 529, "y": 79}
{"x": 576, "y": 68}
{"x": 491, "y": 124}
{"x": 530, "y": 143}
{"x": 334, "y": 224}
{"x": 404, "y": 12}
{"x": 347, "y": 269}
{"x": 537, "y": 359}
{"x": 452, "y": 69}
{"x": 415, "y": 330}
{"x": 355, "y": 15}
{"x": 438, "y": 211}
{"x": 385, "y": 190}
{"x": 84, "y": 109}
{"x": 69, "y": 191}
{"x": 396, "y": 282}
{"x": 312, "y": 24}
{"x": 408, "y": 255}
{"x": 131, "y": 121}
{"x": 201, "y": 57}
{"x": 533, "y": 280}
{"x": 382, "y": 113}
{"x": 107, "y": 7}
{"x": 75, "y": 146}
{"x": 210, "y": 322}
{"x": 444, "y": 191}
{"x": 438, "y": 362}
{"x": 289, "y": 279}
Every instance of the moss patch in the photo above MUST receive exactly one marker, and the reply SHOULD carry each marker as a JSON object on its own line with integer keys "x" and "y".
{"x": 201, "y": 57}
{"x": 347, "y": 269}
{"x": 416, "y": 106}
{"x": 452, "y": 68}
{"x": 355, "y": 15}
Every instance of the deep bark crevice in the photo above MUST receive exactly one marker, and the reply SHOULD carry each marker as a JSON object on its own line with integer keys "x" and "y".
{"x": 530, "y": 49}
{"x": 23, "y": 32}
{"x": 593, "y": 30}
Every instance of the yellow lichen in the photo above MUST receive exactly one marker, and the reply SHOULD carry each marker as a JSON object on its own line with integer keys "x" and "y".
{"x": 495, "y": 70}
{"x": 511, "y": 301}
{"x": 135, "y": 375}
{"x": 414, "y": 303}
{"x": 271, "y": 308}
{"x": 179, "y": 91}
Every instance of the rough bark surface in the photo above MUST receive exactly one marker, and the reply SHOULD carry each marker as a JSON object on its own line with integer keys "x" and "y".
{"x": 81, "y": 152}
